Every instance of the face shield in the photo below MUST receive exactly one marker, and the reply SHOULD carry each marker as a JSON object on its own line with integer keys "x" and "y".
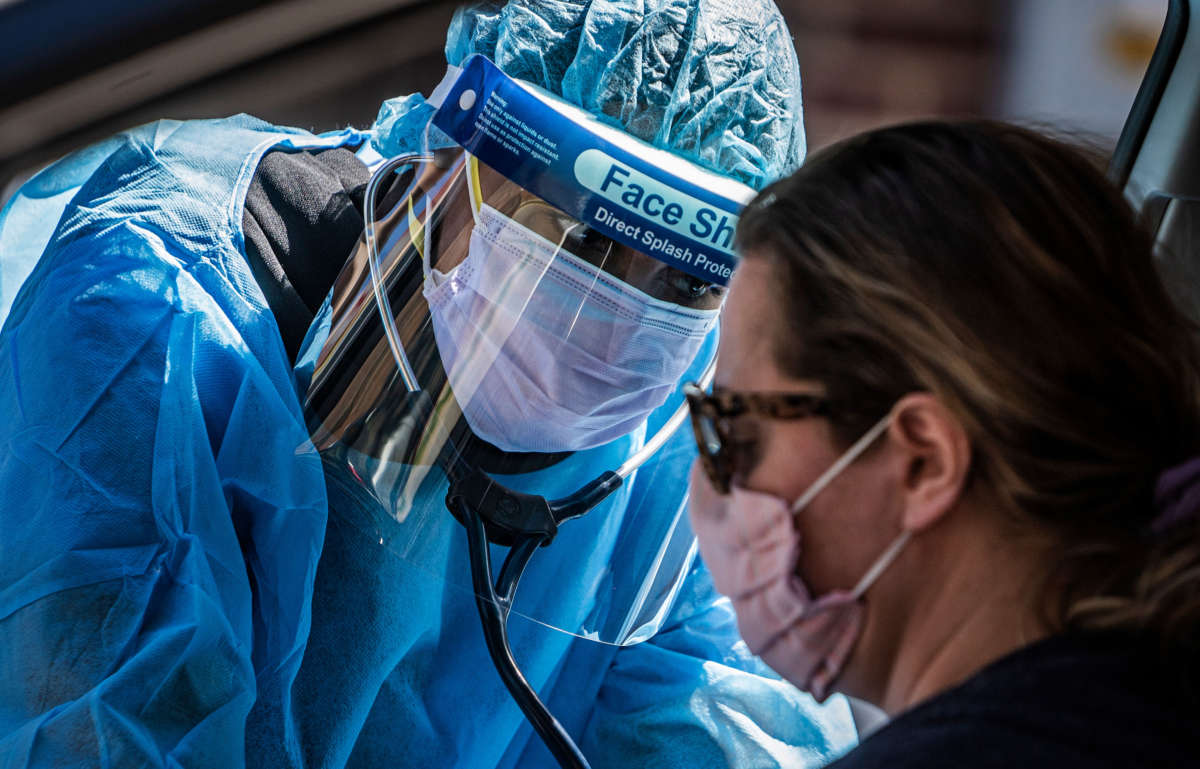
{"x": 519, "y": 306}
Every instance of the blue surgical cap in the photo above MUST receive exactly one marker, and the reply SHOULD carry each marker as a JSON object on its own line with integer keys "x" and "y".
{"x": 714, "y": 81}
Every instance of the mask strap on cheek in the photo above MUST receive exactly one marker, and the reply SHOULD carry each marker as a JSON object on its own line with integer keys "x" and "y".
{"x": 595, "y": 276}
{"x": 558, "y": 246}
{"x": 852, "y": 453}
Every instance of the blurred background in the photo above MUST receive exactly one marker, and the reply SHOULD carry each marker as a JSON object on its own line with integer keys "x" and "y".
{"x": 72, "y": 72}
{"x": 1073, "y": 64}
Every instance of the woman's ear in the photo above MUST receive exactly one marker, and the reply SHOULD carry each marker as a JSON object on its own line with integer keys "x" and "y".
{"x": 937, "y": 456}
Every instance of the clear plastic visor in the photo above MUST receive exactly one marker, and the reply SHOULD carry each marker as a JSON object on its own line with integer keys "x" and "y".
{"x": 487, "y": 349}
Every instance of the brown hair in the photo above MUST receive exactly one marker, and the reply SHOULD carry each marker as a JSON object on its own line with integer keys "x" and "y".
{"x": 998, "y": 269}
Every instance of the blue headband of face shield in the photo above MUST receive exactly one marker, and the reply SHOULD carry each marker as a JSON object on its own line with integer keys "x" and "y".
{"x": 638, "y": 195}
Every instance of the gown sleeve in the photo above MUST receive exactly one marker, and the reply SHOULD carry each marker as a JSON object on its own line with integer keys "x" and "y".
{"x": 163, "y": 510}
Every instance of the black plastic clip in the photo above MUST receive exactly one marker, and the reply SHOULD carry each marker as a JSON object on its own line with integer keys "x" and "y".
{"x": 506, "y": 514}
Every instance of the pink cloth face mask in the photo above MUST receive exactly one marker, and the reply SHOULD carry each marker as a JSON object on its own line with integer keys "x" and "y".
{"x": 751, "y": 546}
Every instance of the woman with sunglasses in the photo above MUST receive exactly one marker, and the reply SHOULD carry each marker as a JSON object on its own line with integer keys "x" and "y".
{"x": 951, "y": 461}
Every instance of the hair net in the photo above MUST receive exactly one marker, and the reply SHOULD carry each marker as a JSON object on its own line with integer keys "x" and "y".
{"x": 715, "y": 81}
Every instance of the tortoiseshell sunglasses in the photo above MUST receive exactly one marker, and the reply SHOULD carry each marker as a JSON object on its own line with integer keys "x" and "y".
{"x": 711, "y": 415}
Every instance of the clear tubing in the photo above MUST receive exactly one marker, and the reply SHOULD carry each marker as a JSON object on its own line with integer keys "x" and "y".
{"x": 407, "y": 375}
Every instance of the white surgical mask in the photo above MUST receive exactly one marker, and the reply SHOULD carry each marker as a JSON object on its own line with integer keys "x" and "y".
{"x": 546, "y": 352}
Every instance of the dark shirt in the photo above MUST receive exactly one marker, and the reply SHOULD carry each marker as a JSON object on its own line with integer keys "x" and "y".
{"x": 302, "y": 219}
{"x": 1083, "y": 701}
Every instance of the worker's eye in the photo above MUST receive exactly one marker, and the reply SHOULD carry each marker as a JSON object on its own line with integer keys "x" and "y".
{"x": 679, "y": 287}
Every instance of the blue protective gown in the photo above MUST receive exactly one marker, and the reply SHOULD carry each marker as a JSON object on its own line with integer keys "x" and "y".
{"x": 182, "y": 581}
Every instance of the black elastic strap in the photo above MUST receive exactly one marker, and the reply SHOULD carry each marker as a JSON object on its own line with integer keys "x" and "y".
{"x": 302, "y": 219}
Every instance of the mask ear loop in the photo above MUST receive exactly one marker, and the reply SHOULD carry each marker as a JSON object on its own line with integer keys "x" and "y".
{"x": 475, "y": 192}
{"x": 851, "y": 454}
{"x": 596, "y": 270}
{"x": 881, "y": 565}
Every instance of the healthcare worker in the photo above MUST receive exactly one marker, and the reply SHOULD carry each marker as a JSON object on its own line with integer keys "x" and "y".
{"x": 251, "y": 486}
